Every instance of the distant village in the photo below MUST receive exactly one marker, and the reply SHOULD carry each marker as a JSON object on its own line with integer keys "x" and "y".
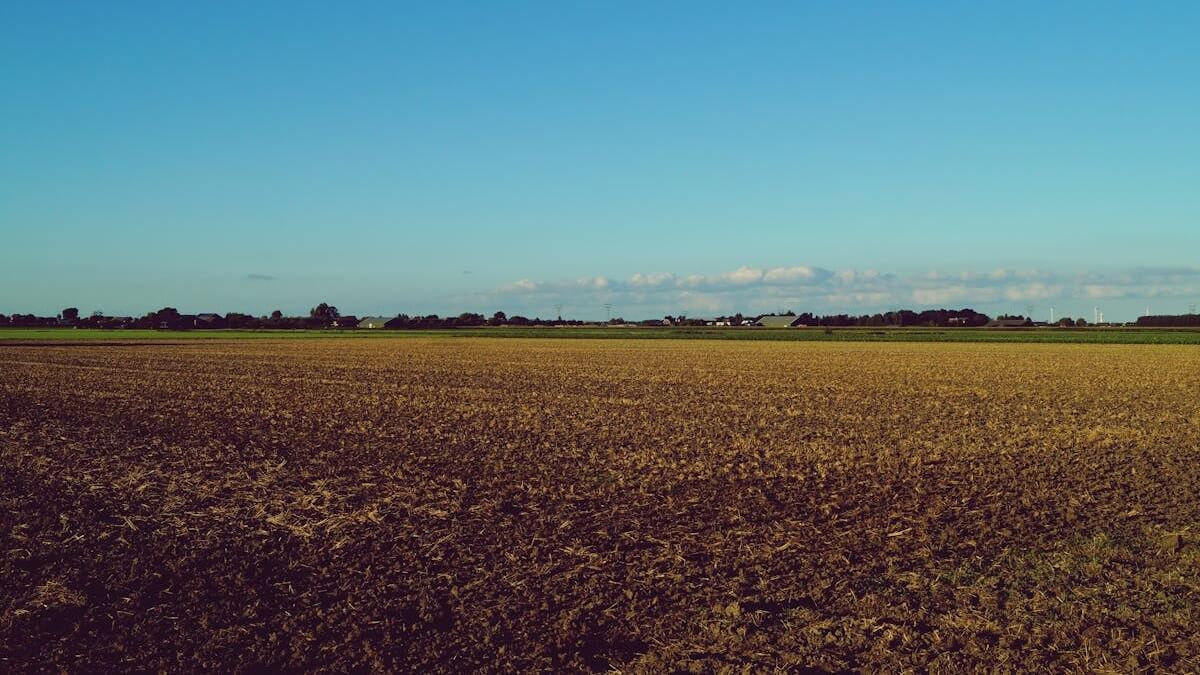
{"x": 326, "y": 316}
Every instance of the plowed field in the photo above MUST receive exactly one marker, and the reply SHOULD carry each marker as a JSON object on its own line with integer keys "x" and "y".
{"x": 507, "y": 504}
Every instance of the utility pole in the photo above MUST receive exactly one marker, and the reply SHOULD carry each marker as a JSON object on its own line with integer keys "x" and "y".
{"x": 607, "y": 312}
{"x": 558, "y": 311}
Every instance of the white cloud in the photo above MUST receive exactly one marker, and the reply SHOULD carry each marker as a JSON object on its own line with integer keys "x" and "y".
{"x": 1034, "y": 291}
{"x": 749, "y": 288}
{"x": 743, "y": 275}
{"x": 521, "y": 285}
{"x": 699, "y": 302}
{"x": 940, "y": 295}
{"x": 787, "y": 274}
{"x": 862, "y": 298}
{"x": 1103, "y": 291}
{"x": 653, "y": 279}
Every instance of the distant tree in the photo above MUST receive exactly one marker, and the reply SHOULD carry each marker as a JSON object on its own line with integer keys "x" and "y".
{"x": 276, "y": 315}
{"x": 324, "y": 311}
{"x": 498, "y": 319}
{"x": 1081, "y": 322}
{"x": 469, "y": 319}
{"x": 167, "y": 317}
{"x": 1065, "y": 322}
{"x": 3, "y": 320}
{"x": 70, "y": 315}
{"x": 1170, "y": 320}
{"x": 239, "y": 320}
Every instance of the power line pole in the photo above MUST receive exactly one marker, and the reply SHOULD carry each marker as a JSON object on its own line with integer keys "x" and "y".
{"x": 608, "y": 312}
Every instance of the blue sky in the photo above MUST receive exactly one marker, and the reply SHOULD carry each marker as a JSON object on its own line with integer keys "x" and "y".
{"x": 663, "y": 157}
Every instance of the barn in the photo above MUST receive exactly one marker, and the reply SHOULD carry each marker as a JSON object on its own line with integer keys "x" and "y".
{"x": 209, "y": 320}
{"x": 787, "y": 321}
{"x": 374, "y": 322}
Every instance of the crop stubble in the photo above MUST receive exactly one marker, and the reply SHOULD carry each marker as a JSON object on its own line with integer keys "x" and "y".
{"x": 441, "y": 504}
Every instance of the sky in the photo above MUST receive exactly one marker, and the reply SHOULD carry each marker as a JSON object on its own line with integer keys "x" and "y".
{"x": 659, "y": 157}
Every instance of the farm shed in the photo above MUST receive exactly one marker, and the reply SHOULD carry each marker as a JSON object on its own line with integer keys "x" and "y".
{"x": 777, "y": 321}
{"x": 209, "y": 320}
{"x": 374, "y": 322}
{"x": 181, "y": 322}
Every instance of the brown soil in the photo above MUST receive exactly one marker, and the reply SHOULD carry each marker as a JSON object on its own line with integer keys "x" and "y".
{"x": 450, "y": 505}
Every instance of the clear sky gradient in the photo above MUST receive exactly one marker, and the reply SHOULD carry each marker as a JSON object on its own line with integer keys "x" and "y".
{"x": 663, "y": 157}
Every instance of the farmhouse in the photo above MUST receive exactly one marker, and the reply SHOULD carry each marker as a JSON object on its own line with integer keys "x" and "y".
{"x": 787, "y": 321}
{"x": 374, "y": 322}
{"x": 344, "y": 322}
{"x": 181, "y": 322}
{"x": 209, "y": 320}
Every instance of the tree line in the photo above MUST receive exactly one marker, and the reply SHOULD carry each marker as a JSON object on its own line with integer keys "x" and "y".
{"x": 945, "y": 318}
{"x": 1170, "y": 321}
{"x": 325, "y": 315}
